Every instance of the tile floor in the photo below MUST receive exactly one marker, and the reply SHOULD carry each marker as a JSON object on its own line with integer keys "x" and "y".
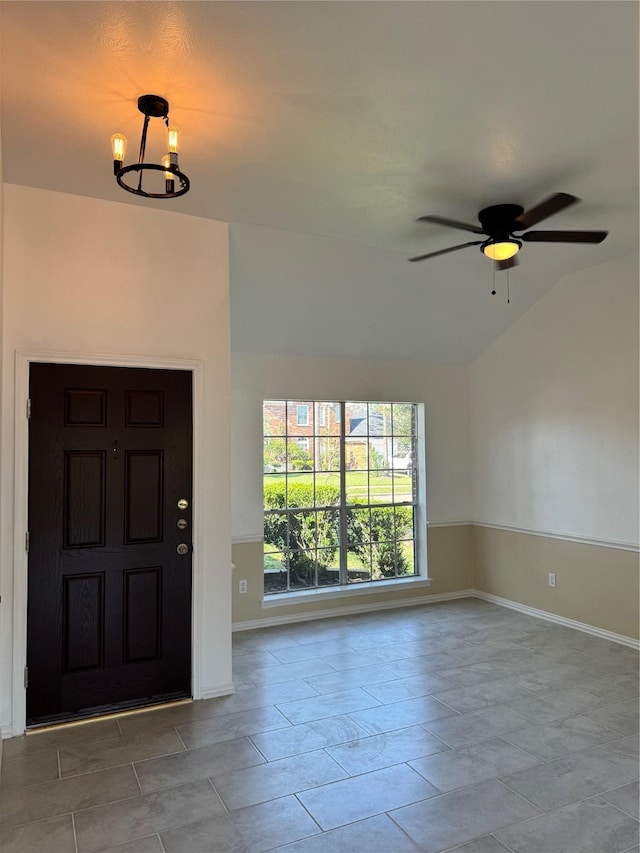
{"x": 453, "y": 726}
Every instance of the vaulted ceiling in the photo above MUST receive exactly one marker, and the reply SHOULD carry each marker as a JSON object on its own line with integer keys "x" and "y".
{"x": 322, "y": 130}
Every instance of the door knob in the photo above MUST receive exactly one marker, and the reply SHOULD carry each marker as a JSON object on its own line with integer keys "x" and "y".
{"x": 182, "y": 549}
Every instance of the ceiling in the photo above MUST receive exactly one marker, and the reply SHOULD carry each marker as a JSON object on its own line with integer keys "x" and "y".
{"x": 322, "y": 130}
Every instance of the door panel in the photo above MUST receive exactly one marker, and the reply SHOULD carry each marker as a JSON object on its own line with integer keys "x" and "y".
{"x": 109, "y": 603}
{"x": 83, "y": 622}
{"x": 142, "y": 614}
{"x": 143, "y": 496}
{"x": 84, "y": 489}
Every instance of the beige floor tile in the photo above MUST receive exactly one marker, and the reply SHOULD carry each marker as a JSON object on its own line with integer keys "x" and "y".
{"x": 149, "y": 844}
{"x": 98, "y": 756}
{"x": 36, "y": 802}
{"x": 306, "y": 737}
{"x": 263, "y": 782}
{"x": 462, "y": 815}
{"x": 141, "y": 816}
{"x": 59, "y": 738}
{"x": 30, "y": 769}
{"x": 377, "y": 834}
{"x": 365, "y": 796}
{"x": 196, "y": 764}
{"x": 48, "y": 836}
{"x": 592, "y": 826}
{"x": 332, "y": 719}
{"x": 251, "y": 830}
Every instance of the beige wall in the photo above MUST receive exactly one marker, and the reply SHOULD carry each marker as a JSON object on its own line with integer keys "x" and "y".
{"x": 450, "y": 568}
{"x": 594, "y": 584}
{"x": 554, "y": 452}
{"x": 554, "y": 412}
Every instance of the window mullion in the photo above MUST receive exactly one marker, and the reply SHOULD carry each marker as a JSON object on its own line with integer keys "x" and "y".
{"x": 344, "y": 574}
{"x": 286, "y": 493}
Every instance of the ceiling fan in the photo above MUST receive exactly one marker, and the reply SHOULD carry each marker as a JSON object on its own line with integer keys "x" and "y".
{"x": 499, "y": 222}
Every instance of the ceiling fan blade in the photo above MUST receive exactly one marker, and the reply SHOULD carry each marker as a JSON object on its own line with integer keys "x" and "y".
{"x": 508, "y": 264}
{"x": 451, "y": 223}
{"x": 551, "y": 205}
{"x": 445, "y": 251}
{"x": 564, "y": 236}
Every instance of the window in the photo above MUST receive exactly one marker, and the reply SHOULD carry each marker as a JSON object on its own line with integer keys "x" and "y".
{"x": 340, "y": 495}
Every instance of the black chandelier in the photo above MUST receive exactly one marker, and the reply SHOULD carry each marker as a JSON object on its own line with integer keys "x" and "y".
{"x": 151, "y": 106}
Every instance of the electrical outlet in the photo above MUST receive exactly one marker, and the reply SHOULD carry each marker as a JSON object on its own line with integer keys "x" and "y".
{"x": 242, "y": 587}
{"x": 552, "y": 578}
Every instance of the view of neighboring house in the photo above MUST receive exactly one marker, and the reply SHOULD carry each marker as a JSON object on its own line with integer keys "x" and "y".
{"x": 297, "y": 429}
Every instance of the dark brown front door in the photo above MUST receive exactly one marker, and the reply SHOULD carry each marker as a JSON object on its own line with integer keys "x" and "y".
{"x": 109, "y": 596}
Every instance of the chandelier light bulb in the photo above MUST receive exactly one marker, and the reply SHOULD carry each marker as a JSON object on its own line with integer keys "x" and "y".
{"x": 119, "y": 146}
{"x": 173, "y": 134}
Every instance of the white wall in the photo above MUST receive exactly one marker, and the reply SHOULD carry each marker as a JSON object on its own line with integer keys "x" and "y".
{"x": 554, "y": 412}
{"x": 442, "y": 389}
{"x": 88, "y": 276}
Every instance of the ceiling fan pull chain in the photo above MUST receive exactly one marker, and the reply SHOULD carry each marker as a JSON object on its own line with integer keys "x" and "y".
{"x": 493, "y": 292}
{"x": 508, "y": 293}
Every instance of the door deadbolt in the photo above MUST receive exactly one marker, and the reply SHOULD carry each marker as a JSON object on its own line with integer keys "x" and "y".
{"x": 182, "y": 523}
{"x": 182, "y": 549}
{"x": 183, "y": 503}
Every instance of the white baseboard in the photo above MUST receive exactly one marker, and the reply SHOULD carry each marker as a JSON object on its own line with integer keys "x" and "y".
{"x": 348, "y": 611}
{"x": 6, "y": 731}
{"x": 219, "y": 690}
{"x": 559, "y": 620}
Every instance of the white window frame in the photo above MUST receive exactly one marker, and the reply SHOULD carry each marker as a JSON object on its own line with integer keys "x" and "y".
{"x": 420, "y": 578}
{"x": 299, "y": 408}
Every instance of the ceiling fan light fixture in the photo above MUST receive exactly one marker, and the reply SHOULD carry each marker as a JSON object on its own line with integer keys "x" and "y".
{"x": 500, "y": 249}
{"x": 498, "y": 223}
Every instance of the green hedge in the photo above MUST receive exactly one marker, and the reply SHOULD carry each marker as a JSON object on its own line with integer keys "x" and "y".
{"x": 306, "y": 530}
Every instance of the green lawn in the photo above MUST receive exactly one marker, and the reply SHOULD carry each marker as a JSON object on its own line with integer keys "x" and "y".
{"x": 360, "y": 484}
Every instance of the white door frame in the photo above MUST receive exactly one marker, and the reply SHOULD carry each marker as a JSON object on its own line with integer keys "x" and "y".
{"x": 21, "y": 497}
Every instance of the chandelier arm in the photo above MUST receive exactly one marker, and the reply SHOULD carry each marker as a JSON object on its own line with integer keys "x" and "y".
{"x": 143, "y": 146}
{"x": 143, "y": 140}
